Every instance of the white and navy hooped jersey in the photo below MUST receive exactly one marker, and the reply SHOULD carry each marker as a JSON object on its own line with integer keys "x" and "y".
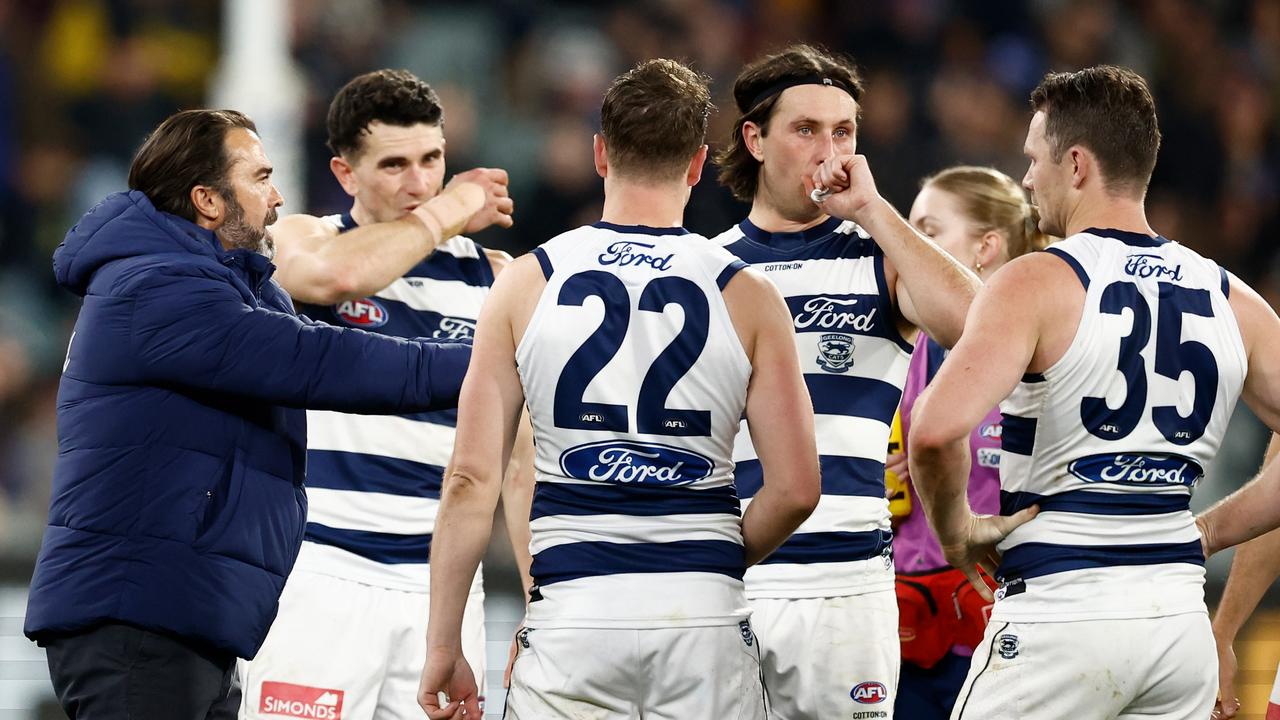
{"x": 855, "y": 364}
{"x": 1111, "y": 440}
{"x": 373, "y": 481}
{"x": 635, "y": 380}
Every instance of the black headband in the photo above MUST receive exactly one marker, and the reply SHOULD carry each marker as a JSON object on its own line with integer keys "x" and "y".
{"x": 791, "y": 82}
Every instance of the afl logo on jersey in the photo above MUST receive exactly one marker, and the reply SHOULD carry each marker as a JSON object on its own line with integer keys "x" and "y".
{"x": 1137, "y": 469}
{"x": 835, "y": 352}
{"x": 869, "y": 693}
{"x": 364, "y": 313}
{"x": 633, "y": 462}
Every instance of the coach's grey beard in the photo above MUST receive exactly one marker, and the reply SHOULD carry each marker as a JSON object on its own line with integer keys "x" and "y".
{"x": 237, "y": 233}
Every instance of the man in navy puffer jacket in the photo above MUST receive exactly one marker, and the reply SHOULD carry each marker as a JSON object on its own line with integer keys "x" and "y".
{"x": 178, "y": 504}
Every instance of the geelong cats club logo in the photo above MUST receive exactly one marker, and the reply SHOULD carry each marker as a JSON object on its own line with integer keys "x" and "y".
{"x": 835, "y": 352}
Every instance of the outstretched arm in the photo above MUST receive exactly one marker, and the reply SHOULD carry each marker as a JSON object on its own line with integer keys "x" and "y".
{"x": 931, "y": 289}
{"x": 317, "y": 266}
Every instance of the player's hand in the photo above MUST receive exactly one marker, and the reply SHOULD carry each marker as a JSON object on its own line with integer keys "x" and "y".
{"x": 848, "y": 178}
{"x": 1228, "y": 704}
{"x": 498, "y": 204}
{"x": 449, "y": 673}
{"x": 511, "y": 656}
{"x": 975, "y": 547}
{"x": 897, "y": 463}
{"x": 1206, "y": 536}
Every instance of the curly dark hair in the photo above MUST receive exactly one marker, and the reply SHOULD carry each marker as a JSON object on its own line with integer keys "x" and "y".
{"x": 394, "y": 97}
{"x": 1109, "y": 110}
{"x": 739, "y": 171}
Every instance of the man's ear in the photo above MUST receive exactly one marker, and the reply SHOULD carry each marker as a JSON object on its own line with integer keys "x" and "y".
{"x": 699, "y": 161}
{"x": 1083, "y": 164}
{"x": 751, "y": 138}
{"x": 210, "y": 206}
{"x": 600, "y": 155}
{"x": 345, "y": 174}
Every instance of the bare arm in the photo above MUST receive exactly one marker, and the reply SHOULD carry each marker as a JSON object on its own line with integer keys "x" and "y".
{"x": 1255, "y": 567}
{"x": 317, "y": 266}
{"x": 488, "y": 415}
{"x": 517, "y": 498}
{"x": 1255, "y": 508}
{"x": 779, "y": 416}
{"x": 518, "y": 483}
{"x": 1253, "y": 570}
{"x": 932, "y": 290}
{"x": 975, "y": 378}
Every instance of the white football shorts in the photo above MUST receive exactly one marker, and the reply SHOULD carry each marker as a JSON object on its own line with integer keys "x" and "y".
{"x": 831, "y": 658}
{"x": 1161, "y": 668}
{"x": 626, "y": 674}
{"x": 342, "y": 650}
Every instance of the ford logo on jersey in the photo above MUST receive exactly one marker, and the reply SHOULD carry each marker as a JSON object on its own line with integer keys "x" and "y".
{"x": 624, "y": 253}
{"x": 1144, "y": 265}
{"x": 1137, "y": 469}
{"x": 363, "y": 313}
{"x": 827, "y": 313}
{"x": 453, "y": 328}
{"x": 632, "y": 462}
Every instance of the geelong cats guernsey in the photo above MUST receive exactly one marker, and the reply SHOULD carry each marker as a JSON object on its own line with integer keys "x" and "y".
{"x": 373, "y": 481}
{"x": 635, "y": 380}
{"x": 1111, "y": 440}
{"x": 855, "y": 365}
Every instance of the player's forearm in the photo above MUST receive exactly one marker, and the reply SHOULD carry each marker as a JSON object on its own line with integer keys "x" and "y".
{"x": 940, "y": 288}
{"x": 940, "y": 474}
{"x": 458, "y": 542}
{"x": 770, "y": 519}
{"x": 1245, "y": 514}
{"x": 517, "y": 497}
{"x": 1254, "y": 568}
{"x": 369, "y": 258}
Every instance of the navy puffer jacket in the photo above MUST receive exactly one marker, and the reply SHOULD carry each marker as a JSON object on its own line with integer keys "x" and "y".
{"x": 178, "y": 502}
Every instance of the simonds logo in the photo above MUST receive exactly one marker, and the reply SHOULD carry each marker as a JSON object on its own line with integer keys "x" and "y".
{"x": 300, "y": 701}
{"x": 633, "y": 462}
{"x": 1137, "y": 469}
{"x": 362, "y": 313}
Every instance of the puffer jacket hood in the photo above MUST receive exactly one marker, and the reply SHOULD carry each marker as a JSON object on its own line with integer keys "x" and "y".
{"x": 124, "y": 225}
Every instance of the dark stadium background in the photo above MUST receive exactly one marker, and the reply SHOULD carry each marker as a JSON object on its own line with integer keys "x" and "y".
{"x": 82, "y": 81}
